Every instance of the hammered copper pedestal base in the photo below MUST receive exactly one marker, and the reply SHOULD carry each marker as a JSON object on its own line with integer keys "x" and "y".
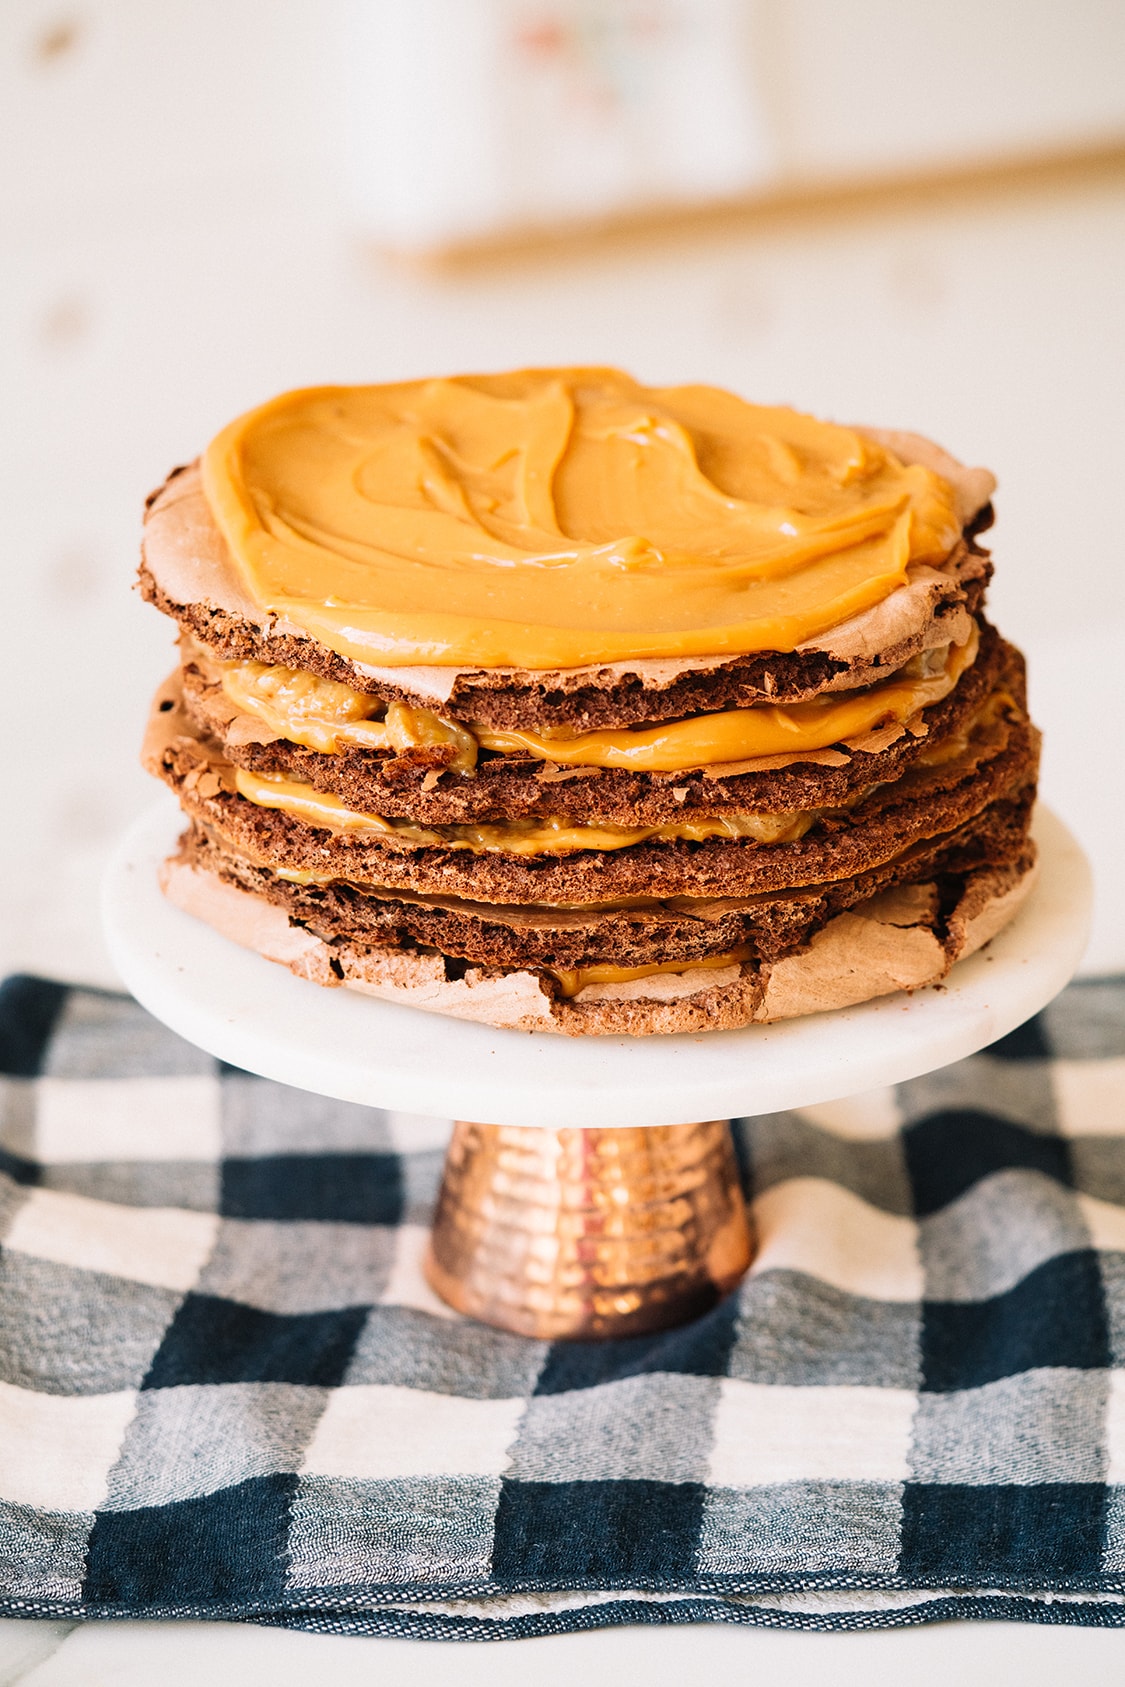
{"x": 588, "y": 1233}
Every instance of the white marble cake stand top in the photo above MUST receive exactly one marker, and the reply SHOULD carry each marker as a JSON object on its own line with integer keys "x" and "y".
{"x": 258, "y": 1016}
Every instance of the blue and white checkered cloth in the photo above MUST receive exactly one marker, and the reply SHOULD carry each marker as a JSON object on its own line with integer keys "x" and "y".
{"x": 226, "y": 1391}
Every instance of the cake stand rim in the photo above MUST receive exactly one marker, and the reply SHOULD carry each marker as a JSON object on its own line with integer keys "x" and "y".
{"x": 254, "y": 1014}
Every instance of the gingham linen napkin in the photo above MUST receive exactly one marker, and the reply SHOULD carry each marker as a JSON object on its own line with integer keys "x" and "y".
{"x": 225, "y": 1390}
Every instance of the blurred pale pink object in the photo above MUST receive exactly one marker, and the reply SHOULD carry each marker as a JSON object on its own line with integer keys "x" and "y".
{"x": 474, "y": 118}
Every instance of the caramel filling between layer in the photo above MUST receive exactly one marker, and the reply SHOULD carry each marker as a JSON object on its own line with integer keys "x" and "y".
{"x": 573, "y": 980}
{"x": 557, "y": 835}
{"x": 736, "y": 735}
{"x": 326, "y": 716}
{"x": 552, "y": 836}
{"x": 556, "y": 518}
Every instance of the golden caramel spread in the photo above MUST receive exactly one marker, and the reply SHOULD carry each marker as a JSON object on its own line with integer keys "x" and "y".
{"x": 327, "y": 716}
{"x": 736, "y": 735}
{"x": 552, "y": 836}
{"x": 997, "y": 703}
{"x": 409, "y": 728}
{"x": 572, "y": 980}
{"x": 561, "y": 517}
{"x": 319, "y": 713}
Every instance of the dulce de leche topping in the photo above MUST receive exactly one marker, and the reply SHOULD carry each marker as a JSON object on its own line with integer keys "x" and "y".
{"x": 556, "y": 518}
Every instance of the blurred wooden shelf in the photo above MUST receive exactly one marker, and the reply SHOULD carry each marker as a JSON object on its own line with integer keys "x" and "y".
{"x": 791, "y": 202}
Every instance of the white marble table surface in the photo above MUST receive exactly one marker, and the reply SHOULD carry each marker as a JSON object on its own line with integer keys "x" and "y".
{"x": 224, "y": 1655}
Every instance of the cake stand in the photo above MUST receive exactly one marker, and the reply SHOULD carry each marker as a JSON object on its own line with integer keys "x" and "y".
{"x": 590, "y": 1185}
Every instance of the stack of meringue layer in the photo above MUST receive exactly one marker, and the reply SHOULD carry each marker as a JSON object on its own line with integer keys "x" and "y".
{"x": 566, "y": 704}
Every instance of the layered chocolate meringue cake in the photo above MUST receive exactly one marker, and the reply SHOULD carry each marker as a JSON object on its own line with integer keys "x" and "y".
{"x": 568, "y": 704}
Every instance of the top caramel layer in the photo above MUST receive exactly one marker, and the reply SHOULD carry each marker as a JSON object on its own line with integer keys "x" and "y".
{"x": 556, "y": 518}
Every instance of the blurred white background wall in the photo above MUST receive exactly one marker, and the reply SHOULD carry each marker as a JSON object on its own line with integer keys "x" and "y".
{"x": 474, "y": 118}
{"x": 185, "y": 231}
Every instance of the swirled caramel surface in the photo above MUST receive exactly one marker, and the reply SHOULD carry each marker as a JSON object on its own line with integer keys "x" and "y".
{"x": 554, "y": 518}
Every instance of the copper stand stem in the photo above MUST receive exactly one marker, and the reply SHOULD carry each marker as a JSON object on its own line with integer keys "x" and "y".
{"x": 588, "y": 1233}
